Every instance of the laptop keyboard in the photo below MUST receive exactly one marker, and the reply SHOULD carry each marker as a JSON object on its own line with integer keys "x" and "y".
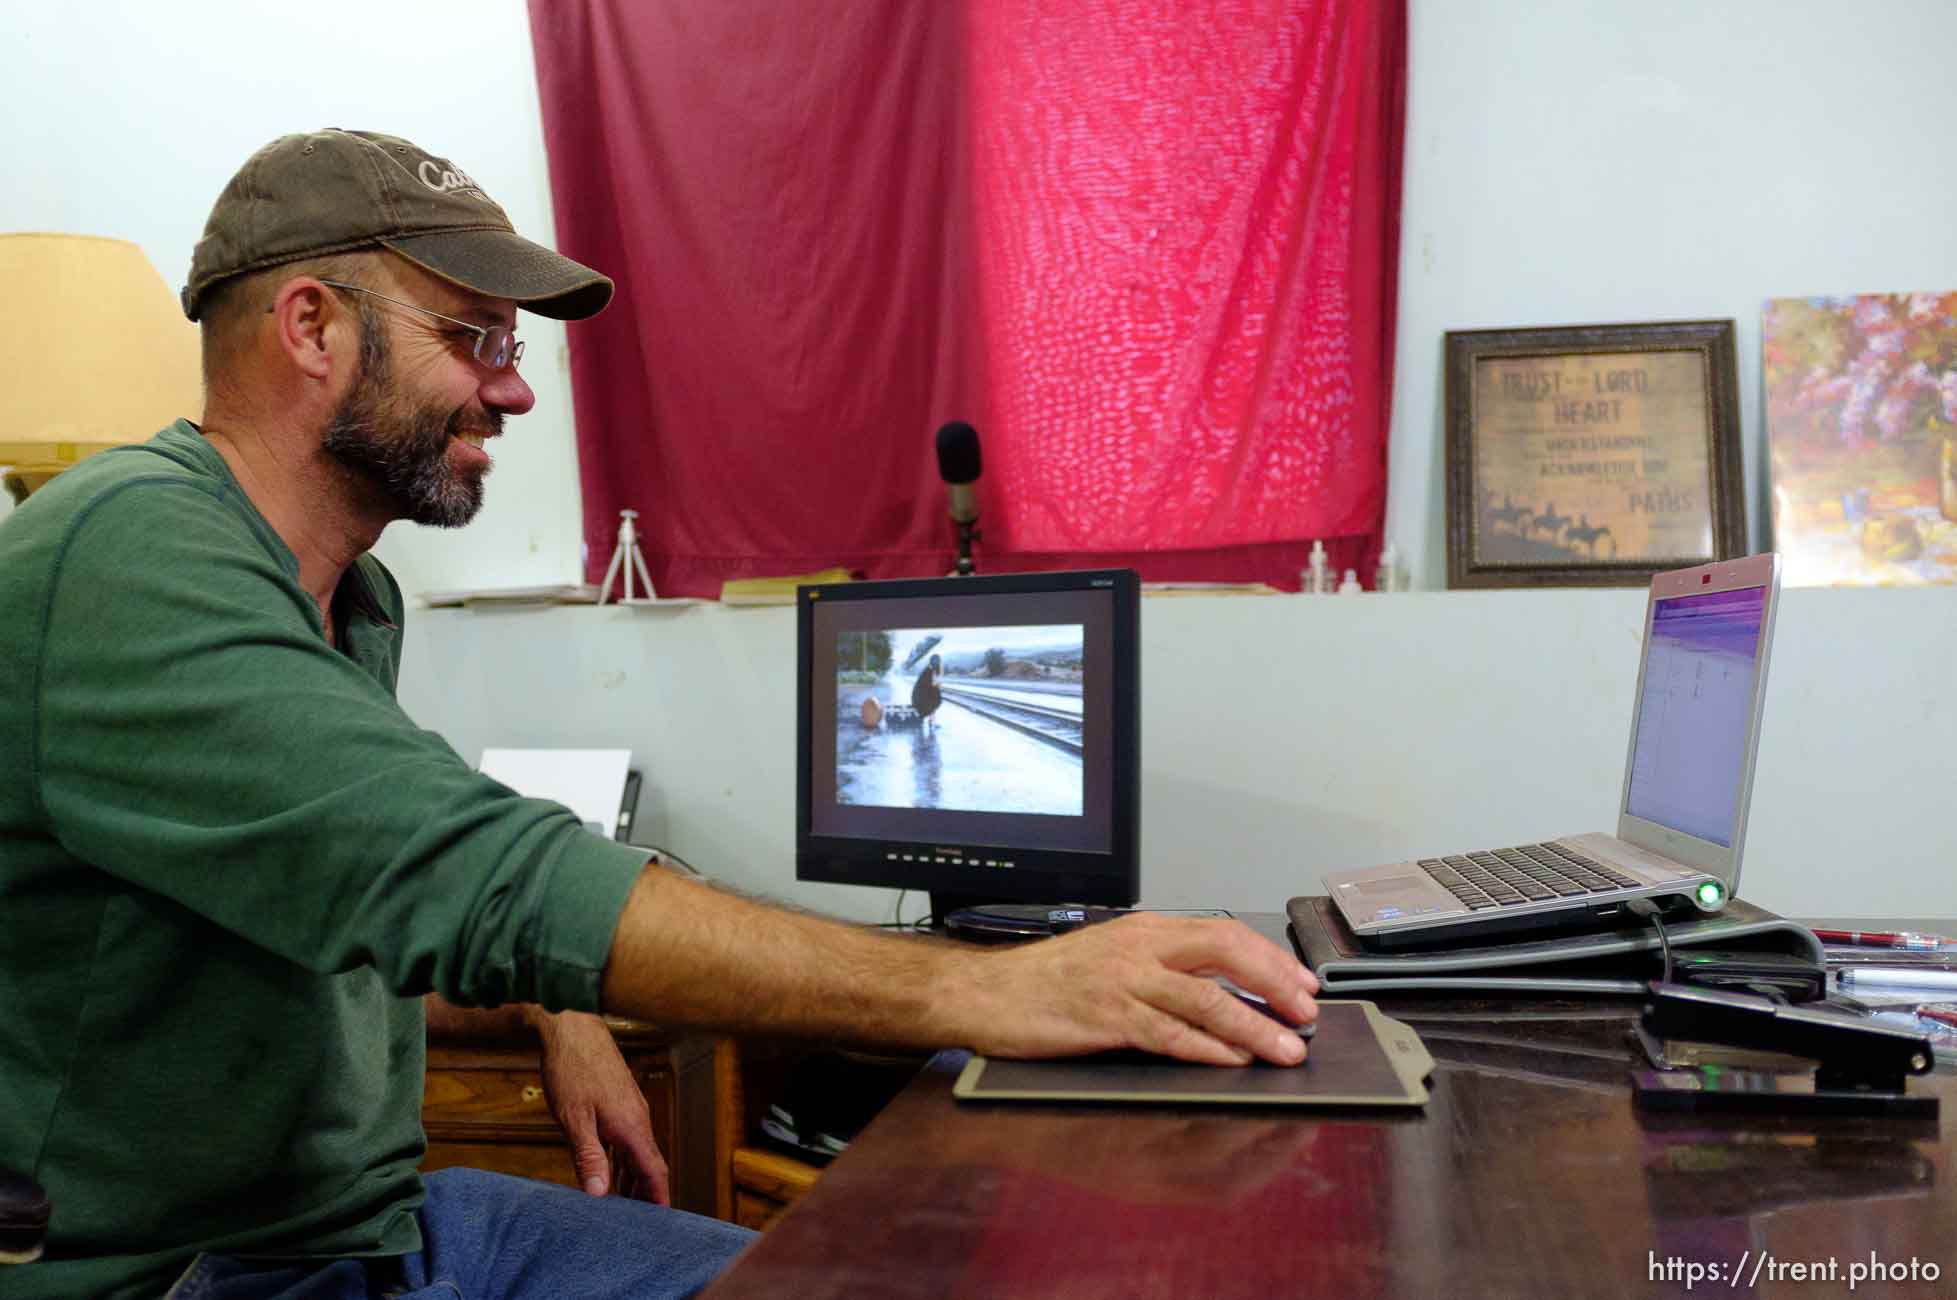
{"x": 1528, "y": 873}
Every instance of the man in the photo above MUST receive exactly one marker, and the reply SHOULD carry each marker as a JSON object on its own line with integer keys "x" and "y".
{"x": 232, "y": 866}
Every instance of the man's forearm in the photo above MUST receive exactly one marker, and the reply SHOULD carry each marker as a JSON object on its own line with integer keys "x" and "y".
{"x": 687, "y": 953}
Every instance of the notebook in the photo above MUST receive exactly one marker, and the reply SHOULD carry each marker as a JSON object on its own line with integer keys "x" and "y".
{"x": 1688, "y": 778}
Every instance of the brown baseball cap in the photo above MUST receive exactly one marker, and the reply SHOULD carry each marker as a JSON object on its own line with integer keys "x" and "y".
{"x": 335, "y": 191}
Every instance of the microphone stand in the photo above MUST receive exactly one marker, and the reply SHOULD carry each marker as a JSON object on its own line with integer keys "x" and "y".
{"x": 967, "y": 534}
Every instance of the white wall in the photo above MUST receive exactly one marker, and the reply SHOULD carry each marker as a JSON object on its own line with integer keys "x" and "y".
{"x": 125, "y": 119}
{"x": 1593, "y": 161}
{"x": 1566, "y": 163}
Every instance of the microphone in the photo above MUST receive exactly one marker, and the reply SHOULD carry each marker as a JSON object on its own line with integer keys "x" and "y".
{"x": 958, "y": 466}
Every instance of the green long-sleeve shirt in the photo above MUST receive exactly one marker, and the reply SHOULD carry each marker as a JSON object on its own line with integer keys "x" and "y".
{"x": 229, "y": 866}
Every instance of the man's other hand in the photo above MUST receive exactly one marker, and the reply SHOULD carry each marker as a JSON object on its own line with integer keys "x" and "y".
{"x": 598, "y": 1104}
{"x": 1143, "y": 981}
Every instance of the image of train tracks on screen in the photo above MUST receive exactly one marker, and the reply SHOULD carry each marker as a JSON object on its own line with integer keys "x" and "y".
{"x": 984, "y": 719}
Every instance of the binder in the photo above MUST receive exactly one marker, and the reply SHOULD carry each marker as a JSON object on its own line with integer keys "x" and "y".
{"x": 1619, "y": 960}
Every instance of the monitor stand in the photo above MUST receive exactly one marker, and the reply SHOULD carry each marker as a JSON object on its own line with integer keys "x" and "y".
{"x": 972, "y": 918}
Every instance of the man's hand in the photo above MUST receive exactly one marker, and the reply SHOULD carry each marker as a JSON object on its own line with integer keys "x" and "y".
{"x": 598, "y": 1104}
{"x": 1142, "y": 981}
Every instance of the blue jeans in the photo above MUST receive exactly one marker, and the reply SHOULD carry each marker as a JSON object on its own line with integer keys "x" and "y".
{"x": 489, "y": 1237}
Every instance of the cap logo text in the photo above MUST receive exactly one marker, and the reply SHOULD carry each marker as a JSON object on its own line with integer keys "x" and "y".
{"x": 450, "y": 181}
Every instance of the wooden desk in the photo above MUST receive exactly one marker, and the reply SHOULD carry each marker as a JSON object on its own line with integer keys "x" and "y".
{"x": 1528, "y": 1173}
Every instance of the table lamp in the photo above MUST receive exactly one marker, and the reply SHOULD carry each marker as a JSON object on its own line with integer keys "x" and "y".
{"x": 98, "y": 353}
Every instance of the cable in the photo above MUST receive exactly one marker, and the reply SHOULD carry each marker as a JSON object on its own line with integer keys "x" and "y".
{"x": 897, "y": 921}
{"x": 1645, "y": 907}
{"x": 665, "y": 856}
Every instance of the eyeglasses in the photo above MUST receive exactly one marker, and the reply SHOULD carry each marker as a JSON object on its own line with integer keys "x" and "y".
{"x": 496, "y": 345}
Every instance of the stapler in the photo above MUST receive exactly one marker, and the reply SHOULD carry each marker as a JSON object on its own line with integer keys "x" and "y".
{"x": 1862, "y": 1067}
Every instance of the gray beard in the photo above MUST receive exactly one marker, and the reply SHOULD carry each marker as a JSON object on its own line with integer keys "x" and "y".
{"x": 399, "y": 450}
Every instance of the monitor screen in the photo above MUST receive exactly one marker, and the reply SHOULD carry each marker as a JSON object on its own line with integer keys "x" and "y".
{"x": 974, "y": 737}
{"x": 1695, "y": 712}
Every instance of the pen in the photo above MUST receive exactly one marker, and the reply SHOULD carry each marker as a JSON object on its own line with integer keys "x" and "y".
{"x": 1908, "y": 940}
{"x": 1942, "y": 1014}
{"x": 1897, "y": 977}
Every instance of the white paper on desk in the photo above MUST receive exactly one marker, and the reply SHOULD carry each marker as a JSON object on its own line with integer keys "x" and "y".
{"x": 575, "y": 593}
{"x": 590, "y": 782}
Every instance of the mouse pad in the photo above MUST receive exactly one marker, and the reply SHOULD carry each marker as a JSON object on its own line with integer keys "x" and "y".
{"x": 1359, "y": 1057}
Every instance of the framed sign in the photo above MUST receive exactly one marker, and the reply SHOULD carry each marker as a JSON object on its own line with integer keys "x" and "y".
{"x": 1591, "y": 455}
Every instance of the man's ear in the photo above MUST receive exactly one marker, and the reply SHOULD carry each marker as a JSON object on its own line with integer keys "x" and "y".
{"x": 308, "y": 322}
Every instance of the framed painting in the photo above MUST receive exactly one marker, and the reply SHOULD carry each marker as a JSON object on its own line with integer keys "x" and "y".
{"x": 1862, "y": 435}
{"x": 1591, "y": 455}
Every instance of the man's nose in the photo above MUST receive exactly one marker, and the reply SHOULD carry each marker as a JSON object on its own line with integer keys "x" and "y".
{"x": 506, "y": 391}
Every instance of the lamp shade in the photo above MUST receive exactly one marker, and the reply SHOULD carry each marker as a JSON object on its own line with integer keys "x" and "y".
{"x": 97, "y": 351}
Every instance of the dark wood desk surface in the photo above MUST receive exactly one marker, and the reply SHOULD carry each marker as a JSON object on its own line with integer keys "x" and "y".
{"x": 1528, "y": 1173}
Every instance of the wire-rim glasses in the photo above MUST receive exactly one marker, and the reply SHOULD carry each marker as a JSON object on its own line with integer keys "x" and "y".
{"x": 496, "y": 345}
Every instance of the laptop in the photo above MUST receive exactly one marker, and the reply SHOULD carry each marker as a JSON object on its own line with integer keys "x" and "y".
{"x": 1695, "y": 731}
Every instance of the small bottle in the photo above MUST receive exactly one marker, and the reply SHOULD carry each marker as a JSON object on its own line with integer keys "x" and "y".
{"x": 1317, "y": 578}
{"x": 1349, "y": 586}
{"x": 1388, "y": 578}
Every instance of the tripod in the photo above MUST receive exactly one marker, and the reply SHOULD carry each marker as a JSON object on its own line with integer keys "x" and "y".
{"x": 627, "y": 556}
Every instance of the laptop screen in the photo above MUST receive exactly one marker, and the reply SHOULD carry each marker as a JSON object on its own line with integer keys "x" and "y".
{"x": 1695, "y": 708}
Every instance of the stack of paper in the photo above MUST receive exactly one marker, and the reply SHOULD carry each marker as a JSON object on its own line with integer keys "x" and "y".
{"x": 562, "y": 593}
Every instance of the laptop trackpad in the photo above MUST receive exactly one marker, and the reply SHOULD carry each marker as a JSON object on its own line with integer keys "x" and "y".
{"x": 1389, "y": 894}
{"x": 1387, "y": 884}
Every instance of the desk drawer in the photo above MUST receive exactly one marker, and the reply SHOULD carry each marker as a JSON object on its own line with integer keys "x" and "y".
{"x": 459, "y": 1104}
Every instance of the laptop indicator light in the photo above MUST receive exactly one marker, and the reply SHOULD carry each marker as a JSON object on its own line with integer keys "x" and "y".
{"x": 1710, "y": 893}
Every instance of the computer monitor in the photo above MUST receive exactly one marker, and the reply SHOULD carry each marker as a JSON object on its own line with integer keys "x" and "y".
{"x": 977, "y": 738}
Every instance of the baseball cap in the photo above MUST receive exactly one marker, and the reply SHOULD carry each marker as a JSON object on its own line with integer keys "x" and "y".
{"x": 335, "y": 191}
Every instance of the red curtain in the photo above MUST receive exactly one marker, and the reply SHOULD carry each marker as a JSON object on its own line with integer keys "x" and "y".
{"x": 1147, "y": 249}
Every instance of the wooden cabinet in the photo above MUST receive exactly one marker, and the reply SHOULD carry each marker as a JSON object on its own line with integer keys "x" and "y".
{"x": 766, "y": 1183}
{"x": 483, "y": 1106}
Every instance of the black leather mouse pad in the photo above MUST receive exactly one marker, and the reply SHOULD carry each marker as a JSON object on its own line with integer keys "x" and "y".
{"x": 1359, "y": 1057}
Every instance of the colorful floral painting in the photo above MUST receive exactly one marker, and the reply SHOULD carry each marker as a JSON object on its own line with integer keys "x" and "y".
{"x": 1862, "y": 429}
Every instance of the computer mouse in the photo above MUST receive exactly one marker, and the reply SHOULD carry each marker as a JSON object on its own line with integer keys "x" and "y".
{"x": 1256, "y": 1003}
